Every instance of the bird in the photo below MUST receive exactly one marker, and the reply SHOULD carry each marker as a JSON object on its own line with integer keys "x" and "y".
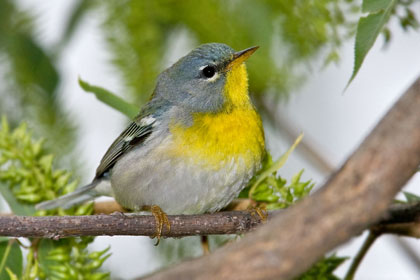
{"x": 192, "y": 148}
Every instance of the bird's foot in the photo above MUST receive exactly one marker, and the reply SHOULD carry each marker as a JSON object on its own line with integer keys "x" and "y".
{"x": 161, "y": 219}
{"x": 259, "y": 210}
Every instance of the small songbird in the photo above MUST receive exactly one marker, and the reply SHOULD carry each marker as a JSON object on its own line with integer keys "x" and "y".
{"x": 194, "y": 145}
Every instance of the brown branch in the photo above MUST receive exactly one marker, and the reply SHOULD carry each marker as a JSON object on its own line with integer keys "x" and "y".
{"x": 353, "y": 199}
{"x": 232, "y": 222}
{"x": 410, "y": 229}
{"x": 229, "y": 222}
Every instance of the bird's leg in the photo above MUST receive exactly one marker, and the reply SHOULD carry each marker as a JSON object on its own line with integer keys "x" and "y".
{"x": 205, "y": 244}
{"x": 160, "y": 218}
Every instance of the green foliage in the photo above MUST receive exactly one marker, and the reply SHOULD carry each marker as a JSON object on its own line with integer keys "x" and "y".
{"x": 140, "y": 35}
{"x": 30, "y": 80}
{"x": 69, "y": 259}
{"x": 27, "y": 176}
{"x": 411, "y": 197}
{"x": 323, "y": 270}
{"x": 269, "y": 167}
{"x": 111, "y": 99}
{"x": 272, "y": 190}
{"x": 370, "y": 26}
{"x": 276, "y": 194}
{"x": 29, "y": 84}
{"x": 10, "y": 260}
{"x": 27, "y": 169}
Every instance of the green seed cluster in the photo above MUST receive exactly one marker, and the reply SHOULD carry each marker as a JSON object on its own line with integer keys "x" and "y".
{"x": 26, "y": 169}
{"x": 71, "y": 260}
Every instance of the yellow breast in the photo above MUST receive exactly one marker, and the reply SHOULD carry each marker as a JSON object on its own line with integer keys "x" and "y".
{"x": 216, "y": 139}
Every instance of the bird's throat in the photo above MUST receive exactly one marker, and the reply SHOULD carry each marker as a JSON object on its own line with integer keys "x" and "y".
{"x": 236, "y": 88}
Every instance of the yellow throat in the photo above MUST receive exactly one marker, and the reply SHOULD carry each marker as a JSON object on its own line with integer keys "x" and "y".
{"x": 236, "y": 133}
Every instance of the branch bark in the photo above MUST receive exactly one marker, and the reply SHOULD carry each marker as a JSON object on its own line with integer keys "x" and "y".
{"x": 228, "y": 222}
{"x": 352, "y": 200}
{"x": 232, "y": 222}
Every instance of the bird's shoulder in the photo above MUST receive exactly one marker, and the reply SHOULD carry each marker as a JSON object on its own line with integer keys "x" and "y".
{"x": 134, "y": 135}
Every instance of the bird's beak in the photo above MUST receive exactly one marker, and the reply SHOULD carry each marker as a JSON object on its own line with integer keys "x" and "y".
{"x": 241, "y": 56}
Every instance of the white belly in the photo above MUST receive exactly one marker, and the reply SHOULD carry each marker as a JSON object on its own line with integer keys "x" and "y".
{"x": 149, "y": 177}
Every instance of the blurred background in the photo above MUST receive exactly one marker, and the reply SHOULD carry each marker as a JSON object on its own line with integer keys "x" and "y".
{"x": 297, "y": 79}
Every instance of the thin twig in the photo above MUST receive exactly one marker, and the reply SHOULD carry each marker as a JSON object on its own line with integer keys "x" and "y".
{"x": 399, "y": 219}
{"x": 370, "y": 239}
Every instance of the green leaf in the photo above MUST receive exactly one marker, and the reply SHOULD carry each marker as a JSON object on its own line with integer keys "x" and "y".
{"x": 17, "y": 207}
{"x": 411, "y": 197}
{"x": 373, "y": 6}
{"x": 11, "y": 258}
{"x": 369, "y": 28}
{"x": 323, "y": 270}
{"x": 276, "y": 165}
{"x": 110, "y": 99}
{"x": 32, "y": 64}
{"x": 11, "y": 275}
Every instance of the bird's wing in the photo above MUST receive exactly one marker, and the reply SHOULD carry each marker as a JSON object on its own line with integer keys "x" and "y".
{"x": 135, "y": 134}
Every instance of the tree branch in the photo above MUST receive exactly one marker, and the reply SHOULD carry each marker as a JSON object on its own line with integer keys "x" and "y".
{"x": 367, "y": 244}
{"x": 353, "y": 199}
{"x": 232, "y": 222}
{"x": 229, "y": 222}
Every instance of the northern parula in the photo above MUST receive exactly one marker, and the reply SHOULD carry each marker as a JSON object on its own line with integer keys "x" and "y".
{"x": 194, "y": 145}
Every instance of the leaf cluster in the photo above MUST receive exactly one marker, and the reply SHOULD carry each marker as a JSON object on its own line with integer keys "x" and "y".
{"x": 323, "y": 270}
{"x": 27, "y": 170}
{"x": 28, "y": 176}
{"x": 273, "y": 191}
{"x": 70, "y": 259}
{"x": 376, "y": 22}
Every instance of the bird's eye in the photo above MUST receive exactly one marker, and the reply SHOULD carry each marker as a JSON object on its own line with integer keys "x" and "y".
{"x": 208, "y": 71}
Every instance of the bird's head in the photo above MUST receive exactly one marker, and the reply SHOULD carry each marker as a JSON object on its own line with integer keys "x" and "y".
{"x": 211, "y": 78}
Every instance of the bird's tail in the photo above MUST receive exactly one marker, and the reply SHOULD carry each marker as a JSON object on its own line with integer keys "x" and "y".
{"x": 79, "y": 196}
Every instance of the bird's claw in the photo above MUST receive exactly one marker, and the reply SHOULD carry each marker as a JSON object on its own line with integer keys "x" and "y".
{"x": 161, "y": 219}
{"x": 260, "y": 210}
